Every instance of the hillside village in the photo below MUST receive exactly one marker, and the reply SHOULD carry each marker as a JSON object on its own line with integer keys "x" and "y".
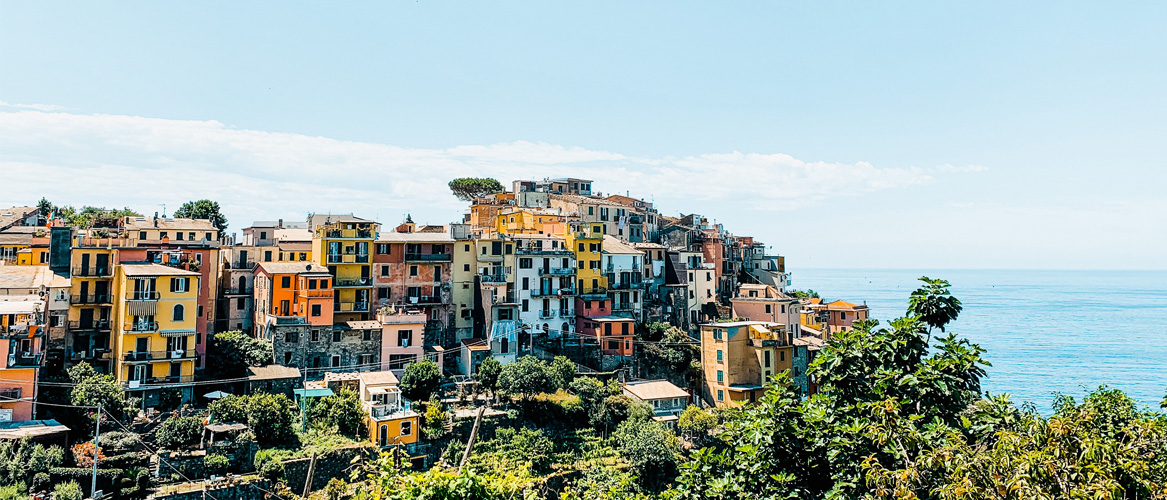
{"x": 217, "y": 357}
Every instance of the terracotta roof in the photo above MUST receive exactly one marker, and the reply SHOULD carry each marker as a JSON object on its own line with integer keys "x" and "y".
{"x": 272, "y": 372}
{"x": 154, "y": 270}
{"x": 292, "y": 268}
{"x": 378, "y": 378}
{"x": 842, "y": 304}
{"x": 655, "y": 389}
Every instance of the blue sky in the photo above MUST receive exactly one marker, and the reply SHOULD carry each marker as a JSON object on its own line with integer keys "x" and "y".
{"x": 986, "y": 135}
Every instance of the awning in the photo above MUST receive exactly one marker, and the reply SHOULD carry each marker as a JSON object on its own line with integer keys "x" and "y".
{"x": 312, "y": 393}
{"x": 141, "y": 307}
{"x": 177, "y": 333}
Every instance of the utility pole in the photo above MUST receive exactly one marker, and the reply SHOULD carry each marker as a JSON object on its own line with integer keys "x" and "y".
{"x": 96, "y": 453}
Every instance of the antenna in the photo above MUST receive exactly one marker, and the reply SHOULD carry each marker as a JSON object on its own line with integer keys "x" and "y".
{"x": 163, "y": 205}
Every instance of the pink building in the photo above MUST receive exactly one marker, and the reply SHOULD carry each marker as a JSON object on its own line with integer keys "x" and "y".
{"x": 401, "y": 339}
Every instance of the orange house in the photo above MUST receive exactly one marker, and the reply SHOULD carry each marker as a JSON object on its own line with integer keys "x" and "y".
{"x": 22, "y": 330}
{"x": 295, "y": 291}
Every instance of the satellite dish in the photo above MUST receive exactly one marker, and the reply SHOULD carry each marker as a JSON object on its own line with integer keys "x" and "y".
{"x": 308, "y": 267}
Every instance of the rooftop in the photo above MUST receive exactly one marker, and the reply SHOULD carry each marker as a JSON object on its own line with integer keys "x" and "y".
{"x": 30, "y": 277}
{"x": 136, "y": 223}
{"x": 292, "y": 268}
{"x": 378, "y": 378}
{"x": 655, "y": 389}
{"x": 416, "y": 237}
{"x": 363, "y": 325}
{"x": 154, "y": 270}
{"x": 10, "y": 216}
{"x": 317, "y": 220}
{"x": 614, "y": 246}
{"x": 272, "y": 372}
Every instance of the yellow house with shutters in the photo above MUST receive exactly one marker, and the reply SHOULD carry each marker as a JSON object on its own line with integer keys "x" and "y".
{"x": 153, "y": 344}
{"x": 526, "y": 220}
{"x": 587, "y": 241}
{"x": 344, "y": 244}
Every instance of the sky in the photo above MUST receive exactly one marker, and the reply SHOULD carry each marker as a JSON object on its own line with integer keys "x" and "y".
{"x": 843, "y": 134}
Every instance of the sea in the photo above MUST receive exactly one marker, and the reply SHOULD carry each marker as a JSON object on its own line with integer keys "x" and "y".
{"x": 1045, "y": 332}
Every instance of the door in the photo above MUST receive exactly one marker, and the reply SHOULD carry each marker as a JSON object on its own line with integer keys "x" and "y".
{"x": 85, "y": 291}
{"x": 142, "y": 349}
{"x": 85, "y": 264}
{"x": 383, "y": 435}
{"x": 102, "y": 264}
{"x": 140, "y": 373}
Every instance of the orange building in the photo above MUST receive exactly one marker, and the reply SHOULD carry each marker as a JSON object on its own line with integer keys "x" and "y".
{"x": 293, "y": 291}
{"x": 22, "y": 333}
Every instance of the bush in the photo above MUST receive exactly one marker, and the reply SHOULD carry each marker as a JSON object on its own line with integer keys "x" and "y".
{"x": 180, "y": 432}
{"x": 269, "y": 466}
{"x": 270, "y": 416}
{"x": 650, "y": 449}
{"x": 118, "y": 441}
{"x": 68, "y": 491}
{"x": 13, "y": 492}
{"x": 216, "y": 464}
{"x": 343, "y": 411}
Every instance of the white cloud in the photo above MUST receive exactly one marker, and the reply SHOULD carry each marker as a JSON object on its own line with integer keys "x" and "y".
{"x": 38, "y": 107}
{"x": 143, "y": 162}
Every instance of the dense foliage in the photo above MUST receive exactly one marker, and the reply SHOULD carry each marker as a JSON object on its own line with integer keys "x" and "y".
{"x": 488, "y": 373}
{"x": 342, "y": 411}
{"x": 203, "y": 209}
{"x": 87, "y": 216}
{"x": 420, "y": 380}
{"x": 234, "y": 352}
{"x": 527, "y": 377}
{"x": 92, "y": 389}
{"x": 180, "y": 432}
{"x": 469, "y": 188}
{"x": 22, "y": 460}
{"x": 271, "y": 417}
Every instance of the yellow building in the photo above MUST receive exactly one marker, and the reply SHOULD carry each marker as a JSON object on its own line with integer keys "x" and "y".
{"x": 91, "y": 301}
{"x": 587, "y": 241}
{"x": 739, "y": 358}
{"x": 538, "y": 221}
{"x": 388, "y": 415}
{"x": 343, "y": 244}
{"x": 153, "y": 345}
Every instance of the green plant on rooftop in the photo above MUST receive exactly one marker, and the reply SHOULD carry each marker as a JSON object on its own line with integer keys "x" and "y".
{"x": 203, "y": 209}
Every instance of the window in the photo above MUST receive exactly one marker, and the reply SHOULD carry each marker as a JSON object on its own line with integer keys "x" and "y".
{"x": 303, "y": 256}
{"x": 708, "y": 276}
{"x": 504, "y": 345}
{"x": 316, "y": 309}
{"x": 383, "y": 293}
{"x": 720, "y": 376}
{"x": 526, "y": 283}
{"x": 783, "y": 308}
{"x": 382, "y": 249}
{"x": 842, "y": 315}
{"x": 287, "y": 358}
{"x": 286, "y": 281}
{"x": 407, "y": 428}
{"x": 178, "y": 236}
{"x": 412, "y": 271}
{"x": 525, "y": 263}
{"x": 466, "y": 267}
{"x": 241, "y": 303}
{"x": 719, "y": 358}
{"x": 767, "y": 308}
{"x": 716, "y": 334}
{"x": 316, "y": 335}
{"x": 766, "y": 356}
{"x": 142, "y": 235}
{"x": 162, "y": 235}
{"x": 720, "y": 395}
{"x": 525, "y": 305}
{"x": 263, "y": 235}
{"x": 368, "y": 335}
{"x": 267, "y": 256}
{"x": 336, "y": 336}
{"x": 335, "y": 361}
{"x": 384, "y": 270}
{"x": 782, "y": 356}
{"x": 404, "y": 337}
{"x": 179, "y": 312}
{"x": 180, "y": 285}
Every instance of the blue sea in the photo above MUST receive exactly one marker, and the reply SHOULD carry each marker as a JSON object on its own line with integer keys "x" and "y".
{"x": 1046, "y": 332}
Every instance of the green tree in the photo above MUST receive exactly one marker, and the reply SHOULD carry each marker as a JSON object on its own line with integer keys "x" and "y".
{"x": 488, "y": 373}
{"x": 229, "y": 409}
{"x": 235, "y": 351}
{"x": 180, "y": 432}
{"x": 421, "y": 380}
{"x": 808, "y": 294}
{"x": 650, "y": 449}
{"x": 435, "y": 419}
{"x": 469, "y": 188}
{"x": 934, "y": 304}
{"x": 697, "y": 424}
{"x": 617, "y": 409}
{"x": 343, "y": 411}
{"x": 526, "y": 377}
{"x": 203, "y": 209}
{"x": 273, "y": 418}
{"x": 668, "y": 352}
{"x": 93, "y": 389}
{"x": 562, "y": 371}
{"x": 216, "y": 464}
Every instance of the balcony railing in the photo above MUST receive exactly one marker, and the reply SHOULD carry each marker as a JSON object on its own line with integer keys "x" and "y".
{"x": 92, "y": 272}
{"x": 19, "y": 331}
{"x": 494, "y": 278}
{"x": 556, "y": 271}
{"x": 348, "y": 258}
{"x": 625, "y": 306}
{"x": 385, "y": 410}
{"x": 429, "y": 257}
{"x": 140, "y": 327}
{"x": 24, "y": 360}
{"x": 594, "y": 290}
{"x": 426, "y": 299}
{"x": 159, "y": 355}
{"x": 624, "y": 285}
{"x": 316, "y": 293}
{"x": 9, "y": 394}
{"x": 351, "y": 307}
{"x": 140, "y": 295}
{"x": 97, "y": 324}
{"x": 547, "y": 292}
{"x": 93, "y": 298}
{"x": 547, "y": 314}
{"x": 237, "y": 291}
{"x": 143, "y": 383}
{"x": 349, "y": 233}
{"x": 342, "y": 282}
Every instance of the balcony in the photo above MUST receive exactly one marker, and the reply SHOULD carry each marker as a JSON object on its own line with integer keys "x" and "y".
{"x": 348, "y": 258}
{"x": 19, "y": 331}
{"x": 547, "y": 315}
{"x": 149, "y": 381}
{"x": 237, "y": 291}
{"x": 544, "y": 251}
{"x": 315, "y": 293}
{"x": 623, "y": 307}
{"x": 142, "y": 295}
{"x": 142, "y": 356}
{"x": 494, "y": 278}
{"x": 9, "y": 394}
{"x": 556, "y": 271}
{"x": 349, "y": 234}
{"x": 427, "y": 299}
{"x": 624, "y": 285}
{"x": 429, "y": 257}
{"x": 92, "y": 272}
{"x": 351, "y": 282}
{"x": 547, "y": 292}
{"x": 382, "y": 411}
{"x": 593, "y": 291}
{"x": 91, "y": 299}
{"x": 140, "y": 327}
{"x": 97, "y": 324}
{"x": 346, "y": 307}
{"x": 289, "y": 320}
{"x": 24, "y": 360}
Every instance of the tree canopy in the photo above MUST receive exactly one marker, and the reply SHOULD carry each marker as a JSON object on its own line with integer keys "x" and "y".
{"x": 203, "y": 209}
{"x": 527, "y": 377}
{"x": 421, "y": 380}
{"x": 234, "y": 352}
{"x": 469, "y": 188}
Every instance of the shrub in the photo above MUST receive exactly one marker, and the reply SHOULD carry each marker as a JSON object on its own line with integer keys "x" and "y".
{"x": 180, "y": 432}
{"x": 420, "y": 380}
{"x": 216, "y": 464}
{"x": 68, "y": 491}
{"x": 343, "y": 411}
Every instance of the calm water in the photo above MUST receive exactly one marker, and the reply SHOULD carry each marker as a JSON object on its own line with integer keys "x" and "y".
{"x": 1045, "y": 331}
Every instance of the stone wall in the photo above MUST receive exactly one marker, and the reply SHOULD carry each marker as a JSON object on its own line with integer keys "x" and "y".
{"x": 334, "y": 464}
{"x": 307, "y": 346}
{"x": 251, "y": 489}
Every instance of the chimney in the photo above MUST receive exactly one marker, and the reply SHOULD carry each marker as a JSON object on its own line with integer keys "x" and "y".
{"x": 155, "y": 219}
{"x": 281, "y": 225}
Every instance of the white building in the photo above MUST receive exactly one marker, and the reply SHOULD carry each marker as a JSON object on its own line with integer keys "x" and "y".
{"x": 544, "y": 277}
{"x": 622, "y": 266}
{"x": 666, "y": 399}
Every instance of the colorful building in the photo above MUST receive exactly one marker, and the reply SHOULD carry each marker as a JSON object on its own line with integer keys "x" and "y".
{"x": 294, "y": 308}
{"x": 412, "y": 268}
{"x": 155, "y": 314}
{"x": 587, "y": 241}
{"x": 739, "y": 358}
{"x": 22, "y": 337}
{"x": 344, "y": 244}
{"x": 756, "y": 302}
{"x": 401, "y": 338}
{"x": 389, "y": 418}
{"x": 622, "y": 270}
{"x": 545, "y": 284}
